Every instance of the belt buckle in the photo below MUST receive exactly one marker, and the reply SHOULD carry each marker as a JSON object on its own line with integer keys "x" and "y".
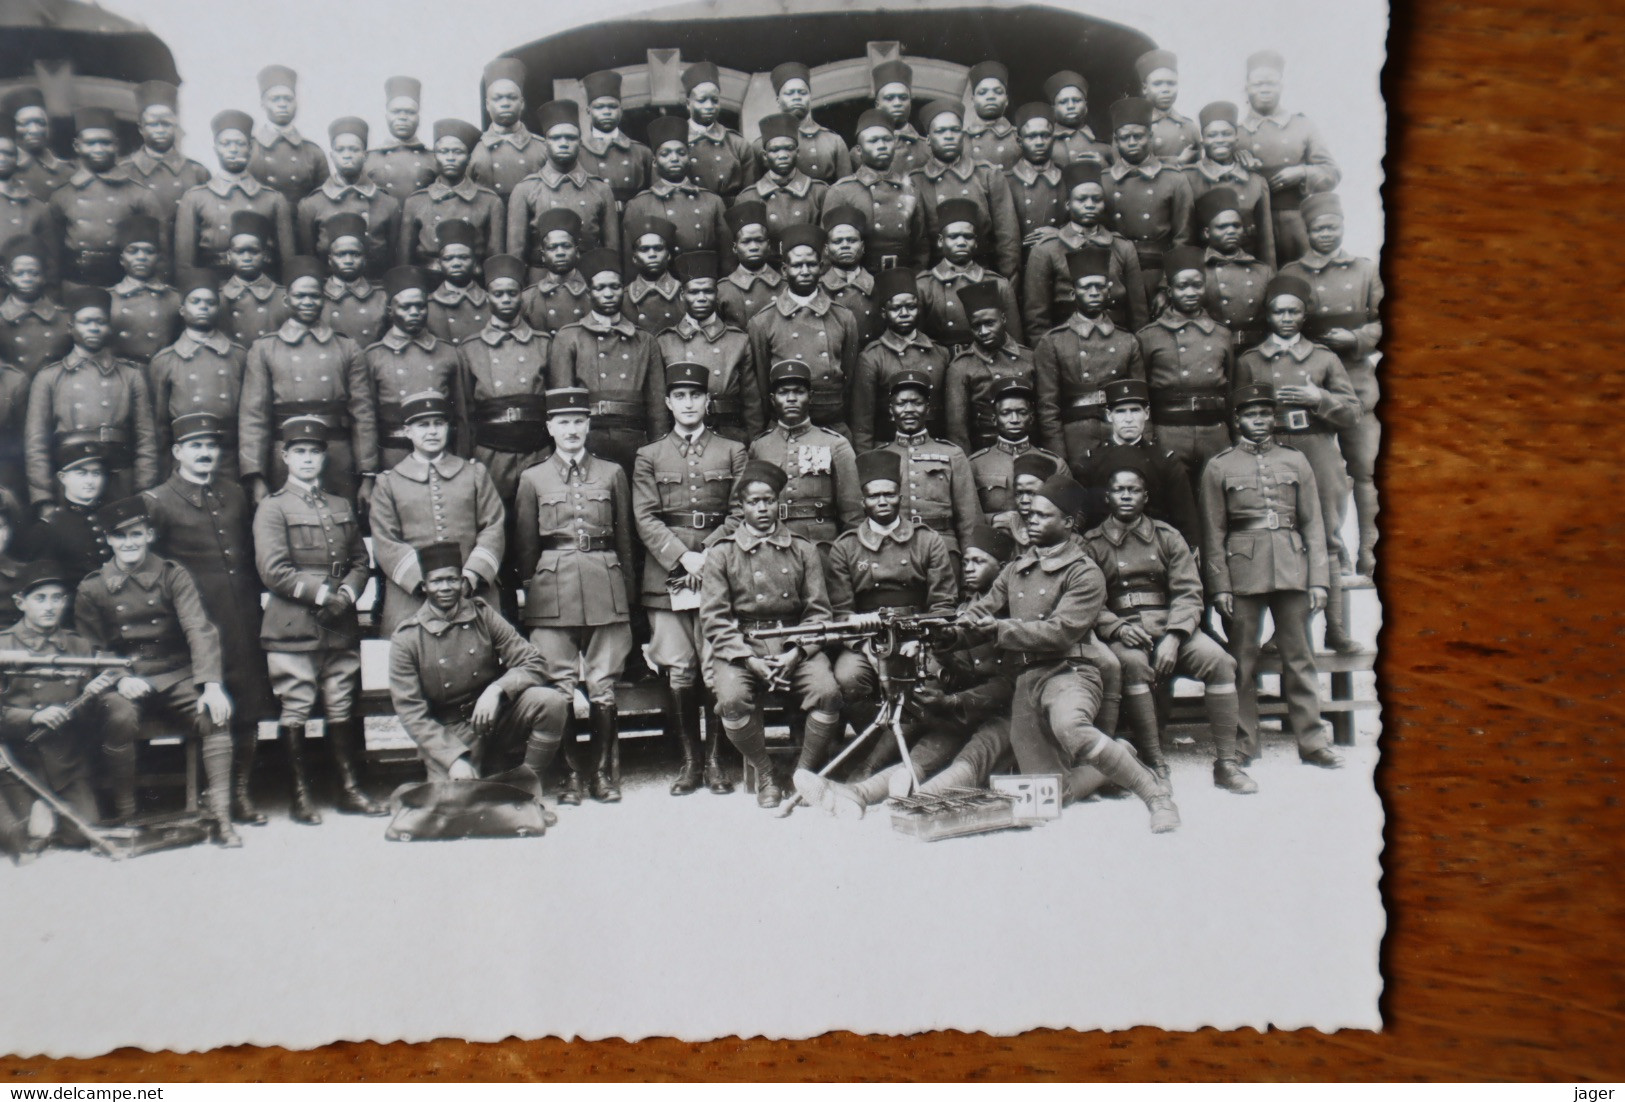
{"x": 337, "y": 570}
{"x": 1297, "y": 419}
{"x": 784, "y": 510}
{"x": 1272, "y": 520}
{"x": 698, "y": 519}
{"x": 510, "y": 414}
{"x": 583, "y": 540}
{"x": 104, "y": 433}
{"x": 888, "y": 261}
{"x": 916, "y": 520}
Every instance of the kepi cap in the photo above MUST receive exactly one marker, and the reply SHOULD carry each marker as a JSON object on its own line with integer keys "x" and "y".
{"x": 684, "y": 373}
{"x": 193, "y": 426}
{"x": 425, "y": 403}
{"x": 122, "y": 513}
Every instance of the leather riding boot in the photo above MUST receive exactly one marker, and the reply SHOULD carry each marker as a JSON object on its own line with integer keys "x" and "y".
{"x": 606, "y": 786}
{"x": 301, "y": 808}
{"x": 1337, "y": 636}
{"x": 685, "y": 708}
{"x": 716, "y": 770}
{"x": 1141, "y": 709}
{"x": 347, "y": 744}
{"x": 242, "y": 770}
{"x": 574, "y": 786}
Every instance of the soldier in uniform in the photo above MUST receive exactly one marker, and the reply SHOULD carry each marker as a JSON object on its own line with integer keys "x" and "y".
{"x": 407, "y": 360}
{"x": 561, "y": 181}
{"x": 306, "y": 369}
{"x": 1047, "y": 287}
{"x": 820, "y": 152}
{"x": 994, "y": 468}
{"x": 22, "y": 215}
{"x": 71, "y": 534}
{"x": 201, "y": 372}
{"x": 203, "y": 522}
{"x": 34, "y": 329}
{"x": 429, "y": 497}
{"x": 735, "y": 408}
{"x": 147, "y": 608}
{"x": 1072, "y": 362}
{"x": 989, "y": 136}
{"x": 1265, "y": 548}
{"x": 1346, "y": 316}
{"x": 952, "y": 173}
{"x": 1218, "y": 167}
{"x": 750, "y": 286}
{"x": 617, "y": 363}
{"x": 91, "y": 391}
{"x": 1068, "y": 94}
{"x": 1167, "y": 483}
{"x": 87, "y": 210}
{"x": 938, "y": 490}
{"x": 804, "y": 325}
{"x": 165, "y": 170}
{"x": 350, "y": 191}
{"x": 820, "y": 498}
{"x": 282, "y": 158}
{"x": 1189, "y": 359}
{"x": 556, "y": 295}
{"x": 790, "y": 195}
{"x": 722, "y": 158}
{"x": 1234, "y": 292}
{"x": 845, "y": 280}
{"x": 900, "y": 348}
{"x": 251, "y": 304}
{"x": 977, "y": 373}
{"x": 507, "y": 152}
{"x": 205, "y": 220}
{"x": 653, "y": 298}
{"x": 1152, "y": 622}
{"x": 575, "y": 547}
{"x": 894, "y": 106}
{"x": 355, "y": 304}
{"x": 309, "y": 554}
{"x": 467, "y": 696}
{"x": 146, "y": 310}
{"x": 943, "y": 317}
{"x": 453, "y": 195}
{"x": 1287, "y": 150}
{"x": 1147, "y": 201}
{"x": 1035, "y": 176}
{"x": 895, "y": 231}
{"x": 40, "y": 170}
{"x": 681, "y": 494}
{"x": 458, "y": 306}
{"x": 1175, "y": 139}
{"x": 401, "y": 164}
{"x": 606, "y": 152}
{"x": 699, "y": 217}
{"x": 734, "y": 601}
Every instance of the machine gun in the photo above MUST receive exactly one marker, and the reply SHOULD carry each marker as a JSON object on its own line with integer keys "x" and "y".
{"x": 13, "y": 662}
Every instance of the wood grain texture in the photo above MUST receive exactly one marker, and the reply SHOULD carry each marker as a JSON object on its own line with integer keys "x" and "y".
{"x": 1502, "y": 533}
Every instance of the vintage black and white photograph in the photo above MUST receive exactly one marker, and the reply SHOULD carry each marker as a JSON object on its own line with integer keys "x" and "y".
{"x": 751, "y": 517}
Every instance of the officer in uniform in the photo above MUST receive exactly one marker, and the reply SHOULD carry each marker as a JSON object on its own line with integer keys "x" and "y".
{"x": 1234, "y": 292}
{"x": 1219, "y": 167}
{"x": 681, "y": 493}
{"x": 556, "y": 295}
{"x": 145, "y": 310}
{"x": 575, "y": 547}
{"x": 309, "y": 554}
{"x": 306, "y": 369}
{"x": 282, "y": 158}
{"x": 606, "y": 152}
{"x": 409, "y": 359}
{"x": 457, "y": 305}
{"x": 1068, "y": 95}
{"x": 653, "y": 297}
{"x": 938, "y": 490}
{"x": 40, "y": 170}
{"x": 900, "y": 348}
{"x": 894, "y": 105}
{"x": 895, "y": 230}
{"x": 698, "y": 217}
{"x": 722, "y": 159}
{"x": 1073, "y": 362}
{"x": 790, "y": 195}
{"x": 750, "y": 287}
{"x": 735, "y": 406}
{"x": 617, "y": 363}
{"x": 507, "y": 152}
{"x": 1035, "y": 177}
{"x": 1148, "y": 201}
{"x": 466, "y": 684}
{"x": 561, "y": 182}
{"x": 429, "y": 497}
{"x": 203, "y": 522}
{"x": 980, "y": 369}
{"x": 350, "y": 191}
{"x": 167, "y": 173}
{"x": 1047, "y": 299}
{"x": 453, "y": 195}
{"x": 87, "y": 210}
{"x": 91, "y": 391}
{"x": 820, "y": 496}
{"x": 1189, "y": 359}
{"x": 71, "y": 534}
{"x": 1175, "y": 139}
{"x": 942, "y": 316}
{"x": 252, "y": 305}
{"x": 735, "y": 600}
{"x": 952, "y": 173}
{"x": 1265, "y": 548}
{"x": 845, "y": 280}
{"x": 401, "y": 164}
{"x": 820, "y": 152}
{"x": 147, "y": 608}
{"x": 993, "y": 467}
{"x": 34, "y": 329}
{"x": 205, "y": 220}
{"x": 989, "y": 136}
{"x": 1168, "y": 484}
{"x": 355, "y": 304}
{"x": 1287, "y": 150}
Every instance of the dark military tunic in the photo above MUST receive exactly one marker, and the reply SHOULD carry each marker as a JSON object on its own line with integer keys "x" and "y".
{"x": 621, "y": 367}
{"x": 400, "y": 168}
{"x": 1036, "y": 190}
{"x": 998, "y": 231}
{"x": 1150, "y": 204}
{"x": 880, "y": 363}
{"x": 22, "y": 215}
{"x": 457, "y": 313}
{"x": 249, "y": 311}
{"x": 356, "y": 309}
{"x": 203, "y": 221}
{"x": 742, "y": 293}
{"x": 938, "y": 489}
{"x": 736, "y": 593}
{"x": 1169, "y": 487}
{"x": 854, "y": 289}
{"x": 1252, "y": 192}
{"x": 823, "y": 497}
{"x": 1079, "y": 145}
{"x": 575, "y": 543}
{"x": 1172, "y": 134}
{"x": 306, "y": 545}
{"x": 697, "y": 213}
{"x": 554, "y": 301}
{"x": 440, "y": 202}
{"x": 73, "y": 537}
{"x": 1189, "y": 363}
{"x": 146, "y": 317}
{"x": 720, "y": 159}
{"x": 44, "y": 172}
{"x": 681, "y": 493}
{"x": 504, "y": 378}
{"x": 104, "y": 397}
{"x": 154, "y": 615}
{"x": 992, "y": 141}
{"x": 1234, "y": 295}
{"x": 284, "y": 160}
{"x": 549, "y": 189}
{"x": 199, "y": 373}
{"x": 969, "y": 385}
{"x": 625, "y": 165}
{"x": 655, "y": 305}
{"x": 819, "y": 334}
{"x": 33, "y": 334}
{"x": 1279, "y": 141}
{"x": 380, "y": 210}
{"x": 1072, "y": 363}
{"x": 913, "y": 151}
{"x": 504, "y": 157}
{"x": 899, "y": 235}
{"x": 907, "y": 567}
{"x": 1347, "y": 295}
{"x": 737, "y": 411}
{"x": 169, "y": 176}
{"x": 993, "y": 470}
{"x": 820, "y": 152}
{"x": 87, "y": 211}
{"x": 14, "y": 386}
{"x": 943, "y": 315}
{"x": 797, "y": 200}
{"x": 1046, "y": 292}
{"x": 397, "y": 367}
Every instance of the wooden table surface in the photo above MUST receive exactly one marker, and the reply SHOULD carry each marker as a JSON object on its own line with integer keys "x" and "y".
{"x": 1500, "y": 665}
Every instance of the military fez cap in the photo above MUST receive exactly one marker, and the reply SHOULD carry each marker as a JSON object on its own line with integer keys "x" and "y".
{"x": 787, "y": 71}
{"x": 1288, "y": 285}
{"x": 1013, "y": 388}
{"x": 251, "y": 223}
{"x": 349, "y": 124}
{"x": 701, "y": 72}
{"x": 939, "y": 107}
{"x": 425, "y": 403}
{"x": 910, "y": 379}
{"x": 980, "y": 296}
{"x": 456, "y": 231}
{"x": 302, "y": 267}
{"x": 700, "y": 264}
{"x": 403, "y": 88}
{"x": 667, "y": 128}
{"x": 992, "y": 541}
{"x": 83, "y": 298}
{"x": 597, "y": 261}
{"x": 1253, "y": 394}
{"x": 662, "y": 228}
{"x": 76, "y": 451}
{"x": 1120, "y": 391}
{"x": 1131, "y": 111}
{"x": 188, "y": 280}
{"x": 21, "y": 98}
{"x": 138, "y": 229}
{"x": 746, "y": 212}
{"x": 1152, "y": 60}
{"x": 465, "y": 132}
{"x": 346, "y": 224}
{"x": 1321, "y": 202}
{"x": 1064, "y": 492}
{"x": 1063, "y": 80}
{"x": 505, "y": 68}
{"x": 304, "y": 430}
{"x": 192, "y": 426}
{"x": 760, "y": 470}
{"x": 778, "y": 126}
{"x": 23, "y": 244}
{"x": 557, "y": 112}
{"x": 406, "y": 278}
{"x": 567, "y": 399}
{"x": 1218, "y": 111}
{"x": 240, "y": 121}
{"x": 1266, "y": 59}
{"x": 880, "y": 465}
{"x": 605, "y": 83}
{"x": 1079, "y": 172}
{"x": 1091, "y": 260}
{"x": 1182, "y": 258}
{"x": 1211, "y": 204}
{"x": 1032, "y": 463}
{"x": 802, "y": 233}
{"x": 954, "y": 210}
{"x": 156, "y": 93}
{"x": 94, "y": 118}
{"x": 789, "y": 371}
{"x": 504, "y": 266}
{"x": 38, "y": 573}
{"x": 893, "y": 72}
{"x": 871, "y": 119}
{"x": 846, "y": 216}
{"x": 982, "y": 70}
{"x": 122, "y": 513}
{"x": 1123, "y": 459}
{"x": 1027, "y": 112}
{"x": 277, "y": 76}
{"x": 444, "y": 555}
{"x": 684, "y": 373}
{"x": 891, "y": 282}
{"x": 559, "y": 218}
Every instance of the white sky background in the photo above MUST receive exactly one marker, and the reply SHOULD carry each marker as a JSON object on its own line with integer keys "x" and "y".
{"x": 344, "y": 50}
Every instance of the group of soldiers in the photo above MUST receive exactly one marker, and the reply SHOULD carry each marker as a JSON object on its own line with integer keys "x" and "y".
{"x": 1095, "y": 396}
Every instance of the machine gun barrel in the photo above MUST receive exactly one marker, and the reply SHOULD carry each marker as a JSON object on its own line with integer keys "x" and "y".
{"x": 886, "y": 627}
{"x": 14, "y": 660}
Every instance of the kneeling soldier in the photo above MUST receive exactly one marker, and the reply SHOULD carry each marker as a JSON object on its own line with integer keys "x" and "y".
{"x": 736, "y": 598}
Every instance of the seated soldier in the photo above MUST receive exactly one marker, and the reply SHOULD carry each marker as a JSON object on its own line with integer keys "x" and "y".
{"x": 1128, "y": 407}
{"x": 148, "y": 609}
{"x": 466, "y": 685}
{"x": 733, "y": 602}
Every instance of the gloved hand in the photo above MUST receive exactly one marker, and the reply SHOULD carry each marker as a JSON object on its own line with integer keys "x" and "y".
{"x": 333, "y": 609}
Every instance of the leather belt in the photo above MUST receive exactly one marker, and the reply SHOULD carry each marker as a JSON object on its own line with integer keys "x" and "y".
{"x": 908, "y": 597}
{"x": 805, "y": 510}
{"x": 1189, "y": 406}
{"x": 1090, "y": 407}
{"x": 507, "y": 411}
{"x": 697, "y": 519}
{"x": 1150, "y": 255}
{"x": 331, "y": 410}
{"x": 616, "y": 407}
{"x": 581, "y": 541}
{"x": 1269, "y": 522}
{"x": 453, "y": 711}
{"x": 1289, "y": 198}
{"x": 747, "y": 624}
{"x": 516, "y": 425}
{"x": 936, "y": 524}
{"x": 1298, "y": 421}
{"x": 826, "y": 408}
{"x": 726, "y": 407}
{"x": 1137, "y": 599}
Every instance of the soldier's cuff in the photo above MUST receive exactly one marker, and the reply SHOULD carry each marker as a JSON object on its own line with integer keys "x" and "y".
{"x": 321, "y": 594}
